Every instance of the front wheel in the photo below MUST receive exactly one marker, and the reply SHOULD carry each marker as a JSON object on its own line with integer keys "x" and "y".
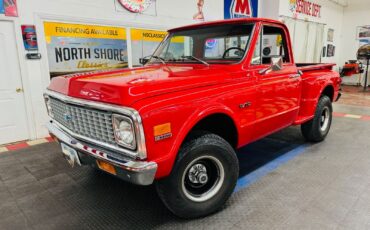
{"x": 203, "y": 178}
{"x": 318, "y": 128}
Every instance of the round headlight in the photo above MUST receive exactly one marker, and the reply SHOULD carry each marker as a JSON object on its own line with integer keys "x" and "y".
{"x": 124, "y": 131}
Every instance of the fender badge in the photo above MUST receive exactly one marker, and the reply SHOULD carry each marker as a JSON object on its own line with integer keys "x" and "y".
{"x": 162, "y": 137}
{"x": 162, "y": 131}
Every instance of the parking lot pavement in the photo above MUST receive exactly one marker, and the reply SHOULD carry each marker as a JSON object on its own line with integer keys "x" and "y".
{"x": 322, "y": 186}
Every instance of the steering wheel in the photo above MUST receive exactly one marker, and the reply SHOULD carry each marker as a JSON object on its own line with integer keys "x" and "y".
{"x": 232, "y": 48}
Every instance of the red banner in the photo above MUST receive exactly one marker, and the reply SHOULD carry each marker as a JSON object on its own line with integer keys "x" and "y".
{"x": 305, "y": 7}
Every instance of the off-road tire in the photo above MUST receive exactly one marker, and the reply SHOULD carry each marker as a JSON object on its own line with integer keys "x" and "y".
{"x": 176, "y": 197}
{"x": 313, "y": 130}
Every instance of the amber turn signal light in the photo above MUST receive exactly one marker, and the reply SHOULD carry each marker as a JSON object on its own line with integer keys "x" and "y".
{"x": 106, "y": 167}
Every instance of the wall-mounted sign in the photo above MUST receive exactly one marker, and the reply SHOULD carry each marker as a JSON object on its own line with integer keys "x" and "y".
{"x": 305, "y": 7}
{"x": 240, "y": 8}
{"x": 2, "y": 10}
{"x": 33, "y": 56}
{"x": 135, "y": 6}
{"x": 330, "y": 50}
{"x": 330, "y": 37}
{"x": 324, "y": 51}
{"x": 74, "y": 48}
{"x": 211, "y": 43}
{"x": 29, "y": 37}
{"x": 363, "y": 32}
{"x": 10, "y": 8}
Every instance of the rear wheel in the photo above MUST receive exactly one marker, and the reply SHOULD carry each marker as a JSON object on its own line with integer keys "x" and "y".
{"x": 318, "y": 128}
{"x": 203, "y": 177}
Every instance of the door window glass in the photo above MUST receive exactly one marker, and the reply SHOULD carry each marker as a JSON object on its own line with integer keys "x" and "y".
{"x": 272, "y": 44}
{"x": 256, "y": 59}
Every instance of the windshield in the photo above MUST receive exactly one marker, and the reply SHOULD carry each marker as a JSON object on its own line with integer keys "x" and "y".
{"x": 223, "y": 44}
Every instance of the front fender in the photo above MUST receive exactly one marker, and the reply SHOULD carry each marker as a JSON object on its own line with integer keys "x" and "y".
{"x": 182, "y": 123}
{"x": 199, "y": 115}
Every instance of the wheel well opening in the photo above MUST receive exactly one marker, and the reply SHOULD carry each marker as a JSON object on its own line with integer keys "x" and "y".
{"x": 329, "y": 91}
{"x": 219, "y": 124}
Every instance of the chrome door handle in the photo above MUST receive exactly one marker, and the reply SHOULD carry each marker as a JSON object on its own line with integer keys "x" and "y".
{"x": 294, "y": 76}
{"x": 245, "y": 105}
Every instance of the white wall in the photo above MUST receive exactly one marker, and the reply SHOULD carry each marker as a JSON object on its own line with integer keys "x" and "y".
{"x": 356, "y": 14}
{"x": 35, "y": 74}
{"x": 331, "y": 15}
{"x": 269, "y": 9}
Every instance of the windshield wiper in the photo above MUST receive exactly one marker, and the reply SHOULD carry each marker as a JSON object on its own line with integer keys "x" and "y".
{"x": 160, "y": 59}
{"x": 195, "y": 58}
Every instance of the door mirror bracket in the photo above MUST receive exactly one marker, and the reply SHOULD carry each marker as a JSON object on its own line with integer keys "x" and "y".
{"x": 144, "y": 60}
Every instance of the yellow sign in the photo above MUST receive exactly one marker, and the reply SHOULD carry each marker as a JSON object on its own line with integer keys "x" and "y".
{"x": 147, "y": 35}
{"x": 56, "y": 29}
{"x": 74, "y": 48}
{"x": 152, "y": 36}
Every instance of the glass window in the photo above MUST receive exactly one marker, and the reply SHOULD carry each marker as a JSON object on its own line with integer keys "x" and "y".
{"x": 256, "y": 59}
{"x": 272, "y": 44}
{"x": 225, "y": 47}
{"x": 143, "y": 43}
{"x": 213, "y": 44}
{"x": 177, "y": 47}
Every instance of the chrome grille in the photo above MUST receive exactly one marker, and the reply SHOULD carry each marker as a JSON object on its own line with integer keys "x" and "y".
{"x": 91, "y": 123}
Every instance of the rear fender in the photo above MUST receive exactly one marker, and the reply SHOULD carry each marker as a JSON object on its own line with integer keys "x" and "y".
{"x": 309, "y": 104}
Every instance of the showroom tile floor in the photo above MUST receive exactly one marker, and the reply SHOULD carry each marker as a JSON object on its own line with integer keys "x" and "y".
{"x": 354, "y": 95}
{"x": 324, "y": 186}
{"x": 24, "y": 144}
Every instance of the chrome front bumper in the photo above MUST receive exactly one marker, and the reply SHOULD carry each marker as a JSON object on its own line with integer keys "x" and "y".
{"x": 136, "y": 172}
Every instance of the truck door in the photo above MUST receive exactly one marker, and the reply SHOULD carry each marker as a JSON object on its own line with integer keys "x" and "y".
{"x": 278, "y": 89}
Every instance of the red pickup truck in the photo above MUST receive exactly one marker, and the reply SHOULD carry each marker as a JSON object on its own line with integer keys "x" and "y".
{"x": 207, "y": 90}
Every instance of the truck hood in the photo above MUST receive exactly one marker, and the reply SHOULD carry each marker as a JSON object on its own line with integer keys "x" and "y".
{"x": 125, "y": 87}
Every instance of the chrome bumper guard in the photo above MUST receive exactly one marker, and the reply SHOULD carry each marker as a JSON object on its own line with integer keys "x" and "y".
{"x": 136, "y": 172}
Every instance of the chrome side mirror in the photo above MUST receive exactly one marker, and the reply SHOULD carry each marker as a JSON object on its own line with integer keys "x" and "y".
{"x": 276, "y": 65}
